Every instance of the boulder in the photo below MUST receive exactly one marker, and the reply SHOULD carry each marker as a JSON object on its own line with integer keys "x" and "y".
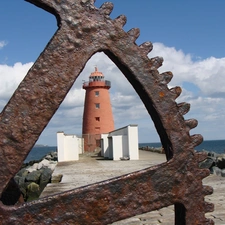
{"x": 33, "y": 191}
{"x": 54, "y": 156}
{"x": 32, "y": 168}
{"x": 52, "y": 165}
{"x": 223, "y": 173}
{"x": 45, "y": 177}
{"x": 48, "y": 157}
{"x": 33, "y": 176}
{"x": 207, "y": 163}
{"x": 56, "y": 178}
{"x": 220, "y": 162}
{"x": 212, "y": 154}
{"x": 22, "y": 173}
{"x": 215, "y": 170}
{"x": 43, "y": 163}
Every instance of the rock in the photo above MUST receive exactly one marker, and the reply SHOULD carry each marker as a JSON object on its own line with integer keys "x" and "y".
{"x": 220, "y": 162}
{"x": 54, "y": 156}
{"x": 36, "y": 172}
{"x": 56, "y": 178}
{"x": 212, "y": 154}
{"x": 33, "y": 191}
{"x": 34, "y": 176}
{"x": 207, "y": 163}
{"x": 43, "y": 163}
{"x": 52, "y": 165}
{"x": 32, "y": 162}
{"x": 45, "y": 177}
{"x": 32, "y": 168}
{"x": 48, "y": 157}
{"x": 22, "y": 173}
{"x": 223, "y": 173}
{"x": 216, "y": 170}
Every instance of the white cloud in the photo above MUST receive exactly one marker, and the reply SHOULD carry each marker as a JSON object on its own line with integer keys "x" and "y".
{"x": 207, "y": 106}
{"x": 208, "y": 74}
{"x": 3, "y": 44}
{"x": 10, "y": 77}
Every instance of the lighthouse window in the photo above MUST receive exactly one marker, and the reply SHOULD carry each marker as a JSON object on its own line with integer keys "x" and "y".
{"x": 97, "y": 118}
{"x": 97, "y": 105}
{"x": 96, "y": 93}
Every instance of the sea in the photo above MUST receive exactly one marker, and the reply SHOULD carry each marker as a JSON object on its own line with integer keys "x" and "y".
{"x": 217, "y": 146}
{"x": 38, "y": 152}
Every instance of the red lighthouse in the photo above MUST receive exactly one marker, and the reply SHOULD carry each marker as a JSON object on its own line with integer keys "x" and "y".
{"x": 98, "y": 116}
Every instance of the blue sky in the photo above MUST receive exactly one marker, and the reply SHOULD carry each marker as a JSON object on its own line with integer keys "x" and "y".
{"x": 189, "y": 35}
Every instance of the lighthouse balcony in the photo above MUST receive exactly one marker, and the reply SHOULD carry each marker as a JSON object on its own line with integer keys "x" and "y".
{"x": 104, "y": 84}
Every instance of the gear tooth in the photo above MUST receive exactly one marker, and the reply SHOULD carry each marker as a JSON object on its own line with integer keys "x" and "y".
{"x": 106, "y": 8}
{"x": 184, "y": 107}
{"x": 121, "y": 20}
{"x": 202, "y": 173}
{"x": 209, "y": 207}
{"x": 156, "y": 62}
{"x": 146, "y": 47}
{"x": 176, "y": 91}
{"x": 166, "y": 77}
{"x": 134, "y": 33}
{"x": 209, "y": 222}
{"x": 207, "y": 190}
{"x": 201, "y": 156}
{"x": 191, "y": 123}
{"x": 87, "y": 2}
{"x": 196, "y": 139}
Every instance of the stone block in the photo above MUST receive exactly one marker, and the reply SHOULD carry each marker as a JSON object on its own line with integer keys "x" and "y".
{"x": 43, "y": 163}
{"x": 216, "y": 170}
{"x": 33, "y": 176}
{"x": 223, "y": 173}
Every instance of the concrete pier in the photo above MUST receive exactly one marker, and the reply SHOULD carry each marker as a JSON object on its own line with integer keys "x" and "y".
{"x": 91, "y": 169}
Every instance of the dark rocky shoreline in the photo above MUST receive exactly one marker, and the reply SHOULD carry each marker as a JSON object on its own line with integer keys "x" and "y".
{"x": 35, "y": 175}
{"x": 214, "y": 162}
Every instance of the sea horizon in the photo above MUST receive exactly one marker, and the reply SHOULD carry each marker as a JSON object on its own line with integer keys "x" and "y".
{"x": 217, "y": 146}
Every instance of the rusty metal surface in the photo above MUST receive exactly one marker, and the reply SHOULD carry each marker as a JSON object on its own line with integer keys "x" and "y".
{"x": 83, "y": 31}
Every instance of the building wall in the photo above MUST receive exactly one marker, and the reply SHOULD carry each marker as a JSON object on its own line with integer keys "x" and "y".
{"x": 121, "y": 143}
{"x": 69, "y": 147}
{"x": 91, "y": 124}
{"x": 96, "y": 120}
{"x": 132, "y": 137}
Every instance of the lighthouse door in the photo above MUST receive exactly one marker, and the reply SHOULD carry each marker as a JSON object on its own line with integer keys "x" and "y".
{"x": 92, "y": 142}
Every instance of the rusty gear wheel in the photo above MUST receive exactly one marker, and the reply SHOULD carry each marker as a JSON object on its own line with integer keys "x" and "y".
{"x": 83, "y": 31}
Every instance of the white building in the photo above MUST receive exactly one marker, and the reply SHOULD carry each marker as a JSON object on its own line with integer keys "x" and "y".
{"x": 120, "y": 144}
{"x": 69, "y": 147}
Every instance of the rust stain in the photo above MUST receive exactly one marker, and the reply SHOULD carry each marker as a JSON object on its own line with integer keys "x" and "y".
{"x": 161, "y": 94}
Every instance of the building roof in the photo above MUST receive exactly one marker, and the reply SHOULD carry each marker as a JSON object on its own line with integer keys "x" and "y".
{"x": 96, "y": 73}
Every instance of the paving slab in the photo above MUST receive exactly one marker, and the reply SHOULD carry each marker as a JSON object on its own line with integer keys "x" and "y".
{"x": 91, "y": 169}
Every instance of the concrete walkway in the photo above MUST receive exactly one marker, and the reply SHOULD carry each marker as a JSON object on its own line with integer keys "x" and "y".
{"x": 91, "y": 169}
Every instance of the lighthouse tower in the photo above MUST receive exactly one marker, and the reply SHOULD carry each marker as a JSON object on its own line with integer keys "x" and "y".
{"x": 97, "y": 116}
